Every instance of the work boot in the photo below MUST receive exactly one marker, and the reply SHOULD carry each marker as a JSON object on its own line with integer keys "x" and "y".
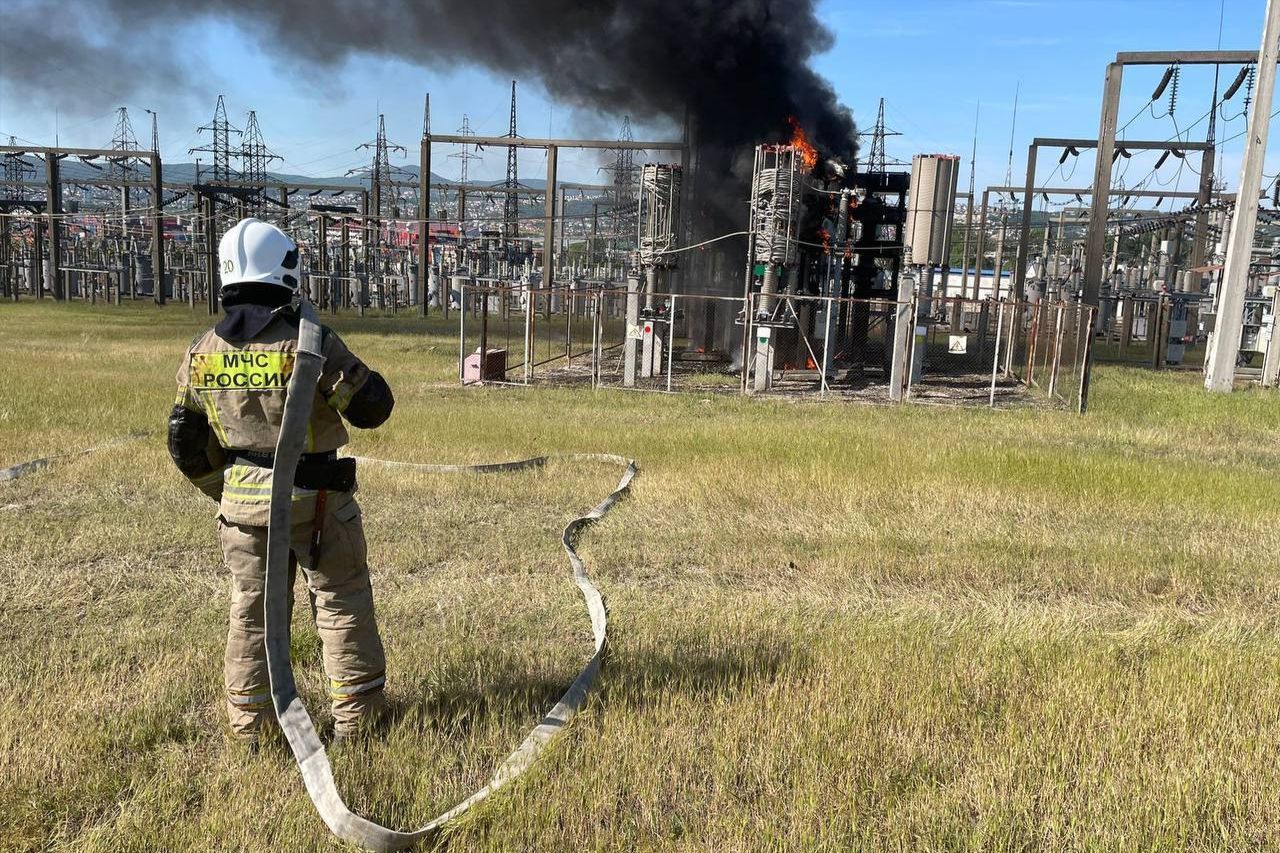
{"x": 373, "y": 721}
{"x": 246, "y": 744}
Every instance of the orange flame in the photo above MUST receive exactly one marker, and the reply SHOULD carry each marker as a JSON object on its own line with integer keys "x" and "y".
{"x": 826, "y": 241}
{"x": 801, "y": 143}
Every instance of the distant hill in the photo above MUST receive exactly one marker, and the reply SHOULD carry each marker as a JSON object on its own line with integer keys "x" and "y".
{"x": 185, "y": 173}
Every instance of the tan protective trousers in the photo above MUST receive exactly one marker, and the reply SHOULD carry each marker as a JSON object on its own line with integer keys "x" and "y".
{"x": 342, "y": 603}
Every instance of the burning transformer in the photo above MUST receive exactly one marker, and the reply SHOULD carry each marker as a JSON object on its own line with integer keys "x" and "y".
{"x": 818, "y": 229}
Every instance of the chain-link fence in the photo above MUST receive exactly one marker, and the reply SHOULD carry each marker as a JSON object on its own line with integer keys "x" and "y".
{"x": 1049, "y": 350}
{"x": 521, "y": 335}
{"x": 669, "y": 342}
{"x": 953, "y": 351}
{"x": 825, "y": 347}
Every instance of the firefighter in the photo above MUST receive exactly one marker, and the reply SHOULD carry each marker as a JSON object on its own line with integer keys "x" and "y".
{"x": 222, "y": 436}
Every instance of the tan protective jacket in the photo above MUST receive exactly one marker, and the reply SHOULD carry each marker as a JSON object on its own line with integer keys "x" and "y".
{"x": 241, "y": 388}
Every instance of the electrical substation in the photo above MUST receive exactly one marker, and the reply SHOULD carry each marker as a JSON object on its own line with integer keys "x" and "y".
{"x": 858, "y": 280}
{"x": 701, "y": 438}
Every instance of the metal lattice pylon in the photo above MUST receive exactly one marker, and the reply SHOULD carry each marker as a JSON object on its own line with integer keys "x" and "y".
{"x": 123, "y": 139}
{"x": 381, "y": 173}
{"x": 16, "y": 171}
{"x": 623, "y": 209}
{"x": 466, "y": 156}
{"x": 122, "y": 168}
{"x": 875, "y": 163}
{"x": 220, "y": 145}
{"x": 511, "y": 203}
{"x": 254, "y": 158}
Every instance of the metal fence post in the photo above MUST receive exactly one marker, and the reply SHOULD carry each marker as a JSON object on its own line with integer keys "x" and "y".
{"x": 462, "y": 344}
{"x": 914, "y": 318}
{"x": 1086, "y": 361}
{"x": 995, "y": 361}
{"x": 528, "y": 335}
{"x": 1057, "y": 352}
{"x": 826, "y": 345}
{"x": 566, "y": 303}
{"x": 671, "y": 336}
{"x": 1014, "y": 323}
{"x": 596, "y": 334}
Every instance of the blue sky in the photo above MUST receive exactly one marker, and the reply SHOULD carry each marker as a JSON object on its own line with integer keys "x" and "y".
{"x": 932, "y": 60}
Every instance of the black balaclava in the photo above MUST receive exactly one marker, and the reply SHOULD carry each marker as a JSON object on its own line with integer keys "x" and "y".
{"x": 251, "y": 306}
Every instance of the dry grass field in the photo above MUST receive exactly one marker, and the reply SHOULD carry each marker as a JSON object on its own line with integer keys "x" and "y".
{"x": 833, "y": 627}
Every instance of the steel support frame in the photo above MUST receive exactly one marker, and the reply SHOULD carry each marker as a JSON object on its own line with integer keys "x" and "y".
{"x": 1106, "y": 144}
{"x": 1099, "y": 196}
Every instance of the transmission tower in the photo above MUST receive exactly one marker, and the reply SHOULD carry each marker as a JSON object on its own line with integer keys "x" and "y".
{"x": 16, "y": 171}
{"x": 122, "y": 168}
{"x": 511, "y": 204}
{"x": 623, "y": 211}
{"x": 219, "y": 145}
{"x": 876, "y": 162}
{"x": 465, "y": 155}
{"x": 123, "y": 139}
{"x": 254, "y": 158}
{"x": 382, "y": 192}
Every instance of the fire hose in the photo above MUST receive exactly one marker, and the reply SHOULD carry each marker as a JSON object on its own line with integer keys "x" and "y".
{"x": 22, "y": 469}
{"x": 295, "y": 722}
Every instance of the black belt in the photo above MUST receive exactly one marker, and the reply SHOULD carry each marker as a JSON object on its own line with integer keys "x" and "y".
{"x": 315, "y": 470}
{"x": 268, "y": 460}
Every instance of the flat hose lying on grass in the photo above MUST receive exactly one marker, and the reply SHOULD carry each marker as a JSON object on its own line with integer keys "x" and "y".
{"x": 317, "y": 774}
{"x": 22, "y": 469}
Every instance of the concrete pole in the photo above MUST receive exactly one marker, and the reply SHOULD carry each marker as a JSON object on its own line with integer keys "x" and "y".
{"x": 344, "y": 262}
{"x": 322, "y": 248}
{"x": 157, "y": 228}
{"x": 903, "y": 328}
{"x": 1044, "y": 250}
{"x": 7, "y": 274}
{"x": 1224, "y": 343}
{"x": 1271, "y": 364}
{"x": 982, "y": 246}
{"x": 632, "y": 329}
{"x": 964, "y": 252}
{"x": 366, "y": 253}
{"x": 1101, "y": 201}
{"x": 53, "y": 209}
{"x": 211, "y": 253}
{"x": 1115, "y": 258}
{"x": 999, "y": 263}
{"x": 549, "y": 220}
{"x": 1199, "y": 247}
{"x": 424, "y": 227}
{"x": 1024, "y": 236}
{"x": 562, "y": 244}
{"x": 124, "y": 212}
{"x": 35, "y": 273}
{"x": 317, "y": 287}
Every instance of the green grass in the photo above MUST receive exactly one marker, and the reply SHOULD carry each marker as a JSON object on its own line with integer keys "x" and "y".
{"x": 833, "y": 627}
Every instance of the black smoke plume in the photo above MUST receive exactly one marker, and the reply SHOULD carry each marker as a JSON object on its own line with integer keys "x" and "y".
{"x": 739, "y": 68}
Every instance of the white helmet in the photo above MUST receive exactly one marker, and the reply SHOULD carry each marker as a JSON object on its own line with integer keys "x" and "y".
{"x": 256, "y": 251}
